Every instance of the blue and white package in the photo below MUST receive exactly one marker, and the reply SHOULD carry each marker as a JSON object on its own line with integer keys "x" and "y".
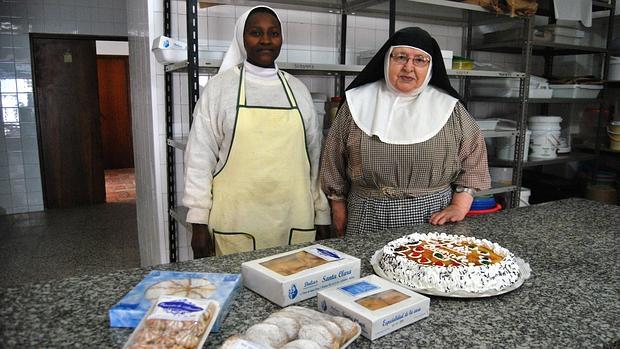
{"x": 219, "y": 287}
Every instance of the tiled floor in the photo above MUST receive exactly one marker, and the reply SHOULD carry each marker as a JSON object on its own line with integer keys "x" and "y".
{"x": 60, "y": 243}
{"x": 120, "y": 185}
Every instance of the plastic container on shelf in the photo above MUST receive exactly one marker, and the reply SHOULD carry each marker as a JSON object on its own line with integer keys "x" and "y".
{"x": 614, "y": 68}
{"x": 545, "y": 137}
{"x": 548, "y": 33}
{"x": 524, "y": 197}
{"x": 539, "y": 88}
{"x": 505, "y": 147}
{"x": 565, "y": 141}
{"x": 496, "y": 208}
{"x": 168, "y": 50}
{"x": 603, "y": 188}
{"x": 462, "y": 63}
{"x": 614, "y": 137}
{"x": 501, "y": 175}
{"x": 484, "y": 202}
{"x": 448, "y": 57}
{"x": 487, "y": 124}
{"x": 576, "y": 91}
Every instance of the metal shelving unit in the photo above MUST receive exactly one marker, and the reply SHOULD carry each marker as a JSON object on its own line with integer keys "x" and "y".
{"x": 535, "y": 100}
{"x": 560, "y": 159}
{"x": 424, "y": 11}
{"x": 525, "y": 48}
{"x": 528, "y": 47}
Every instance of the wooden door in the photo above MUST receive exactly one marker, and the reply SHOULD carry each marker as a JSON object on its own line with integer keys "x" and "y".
{"x": 114, "y": 105}
{"x": 65, "y": 76}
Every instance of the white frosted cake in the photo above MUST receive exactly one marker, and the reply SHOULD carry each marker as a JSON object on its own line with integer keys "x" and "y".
{"x": 448, "y": 263}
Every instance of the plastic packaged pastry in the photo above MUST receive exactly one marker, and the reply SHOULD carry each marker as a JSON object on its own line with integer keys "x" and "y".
{"x": 297, "y": 327}
{"x": 220, "y": 287}
{"x": 175, "y": 322}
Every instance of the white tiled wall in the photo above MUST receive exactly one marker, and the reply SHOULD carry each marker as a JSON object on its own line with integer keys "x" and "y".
{"x": 20, "y": 176}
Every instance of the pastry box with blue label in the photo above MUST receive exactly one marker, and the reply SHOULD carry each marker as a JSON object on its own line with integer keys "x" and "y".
{"x": 378, "y": 305}
{"x": 221, "y": 288}
{"x": 294, "y": 276}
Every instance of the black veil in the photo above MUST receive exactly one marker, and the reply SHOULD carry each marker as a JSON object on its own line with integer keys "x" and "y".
{"x": 411, "y": 36}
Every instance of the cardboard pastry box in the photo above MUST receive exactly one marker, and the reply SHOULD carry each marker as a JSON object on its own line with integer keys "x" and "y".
{"x": 378, "y": 305}
{"x": 293, "y": 276}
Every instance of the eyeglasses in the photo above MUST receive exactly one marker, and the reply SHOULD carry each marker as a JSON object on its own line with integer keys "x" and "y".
{"x": 402, "y": 59}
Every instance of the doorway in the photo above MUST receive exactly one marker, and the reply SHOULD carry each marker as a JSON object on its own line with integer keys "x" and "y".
{"x": 116, "y": 134}
{"x": 83, "y": 117}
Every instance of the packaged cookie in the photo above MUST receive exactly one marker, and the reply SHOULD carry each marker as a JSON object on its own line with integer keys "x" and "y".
{"x": 378, "y": 305}
{"x": 293, "y": 276}
{"x": 219, "y": 287}
{"x": 175, "y": 322}
{"x": 297, "y": 328}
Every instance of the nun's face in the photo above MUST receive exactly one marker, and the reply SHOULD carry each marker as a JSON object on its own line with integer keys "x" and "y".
{"x": 408, "y": 68}
{"x": 262, "y": 38}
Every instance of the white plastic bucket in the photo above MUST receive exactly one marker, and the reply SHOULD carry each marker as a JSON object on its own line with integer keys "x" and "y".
{"x": 614, "y": 68}
{"x": 524, "y": 197}
{"x": 614, "y": 139}
{"x": 545, "y": 137}
{"x": 505, "y": 147}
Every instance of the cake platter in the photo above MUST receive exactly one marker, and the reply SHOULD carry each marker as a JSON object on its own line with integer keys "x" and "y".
{"x": 524, "y": 274}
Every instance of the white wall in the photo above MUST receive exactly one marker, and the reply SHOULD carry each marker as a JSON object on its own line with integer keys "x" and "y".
{"x": 20, "y": 175}
{"x": 144, "y": 16}
{"x": 113, "y": 48}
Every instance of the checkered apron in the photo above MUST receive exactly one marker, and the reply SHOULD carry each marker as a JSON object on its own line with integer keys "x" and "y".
{"x": 384, "y": 207}
{"x": 368, "y": 213}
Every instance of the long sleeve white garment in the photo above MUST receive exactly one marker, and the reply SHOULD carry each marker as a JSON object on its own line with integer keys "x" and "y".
{"x": 212, "y": 131}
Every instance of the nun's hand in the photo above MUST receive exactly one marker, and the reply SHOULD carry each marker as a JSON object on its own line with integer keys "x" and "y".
{"x": 455, "y": 212}
{"x": 451, "y": 213}
{"x": 202, "y": 243}
{"x": 339, "y": 217}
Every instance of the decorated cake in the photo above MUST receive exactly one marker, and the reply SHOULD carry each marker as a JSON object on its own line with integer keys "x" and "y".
{"x": 449, "y": 263}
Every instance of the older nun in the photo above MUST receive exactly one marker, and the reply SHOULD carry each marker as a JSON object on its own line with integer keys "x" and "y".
{"x": 403, "y": 150}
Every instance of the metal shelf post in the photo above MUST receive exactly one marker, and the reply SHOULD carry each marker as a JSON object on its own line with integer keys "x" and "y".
{"x": 170, "y": 158}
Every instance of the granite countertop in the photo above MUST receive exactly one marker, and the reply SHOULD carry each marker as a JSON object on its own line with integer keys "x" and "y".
{"x": 571, "y": 300}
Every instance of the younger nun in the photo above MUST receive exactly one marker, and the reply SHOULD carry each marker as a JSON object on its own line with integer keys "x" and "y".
{"x": 251, "y": 178}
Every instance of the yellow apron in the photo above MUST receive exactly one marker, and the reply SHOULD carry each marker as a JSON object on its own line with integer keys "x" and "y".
{"x": 262, "y": 196}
